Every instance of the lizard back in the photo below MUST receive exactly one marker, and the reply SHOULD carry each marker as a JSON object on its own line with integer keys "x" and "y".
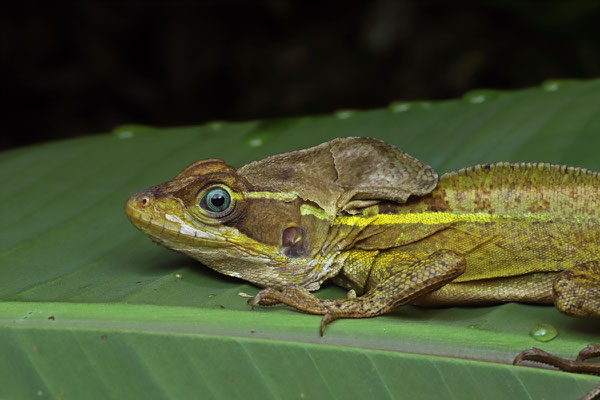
{"x": 508, "y": 220}
{"x": 520, "y": 189}
{"x": 515, "y": 219}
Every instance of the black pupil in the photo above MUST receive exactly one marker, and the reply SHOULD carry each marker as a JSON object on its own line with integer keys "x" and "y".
{"x": 217, "y": 200}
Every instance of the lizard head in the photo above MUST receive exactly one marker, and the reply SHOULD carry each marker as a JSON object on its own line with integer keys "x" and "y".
{"x": 212, "y": 213}
{"x": 269, "y": 221}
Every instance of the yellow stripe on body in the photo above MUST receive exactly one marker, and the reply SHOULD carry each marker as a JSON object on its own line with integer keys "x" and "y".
{"x": 427, "y": 218}
{"x": 306, "y": 209}
{"x": 282, "y": 196}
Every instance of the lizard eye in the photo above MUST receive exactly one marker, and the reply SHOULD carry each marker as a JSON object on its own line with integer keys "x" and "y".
{"x": 216, "y": 201}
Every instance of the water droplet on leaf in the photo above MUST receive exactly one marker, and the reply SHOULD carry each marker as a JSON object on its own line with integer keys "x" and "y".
{"x": 477, "y": 99}
{"x": 255, "y": 142}
{"x": 344, "y": 114}
{"x": 551, "y": 86}
{"x": 125, "y": 134}
{"x": 215, "y": 125}
{"x": 132, "y": 130}
{"x": 399, "y": 107}
{"x": 543, "y": 332}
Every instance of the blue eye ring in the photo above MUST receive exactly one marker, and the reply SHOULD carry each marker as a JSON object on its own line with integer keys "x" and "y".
{"x": 216, "y": 201}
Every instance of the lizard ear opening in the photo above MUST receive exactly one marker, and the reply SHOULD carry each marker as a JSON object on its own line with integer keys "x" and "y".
{"x": 293, "y": 241}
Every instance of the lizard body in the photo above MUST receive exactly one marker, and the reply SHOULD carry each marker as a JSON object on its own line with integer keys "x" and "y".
{"x": 518, "y": 227}
{"x": 377, "y": 222}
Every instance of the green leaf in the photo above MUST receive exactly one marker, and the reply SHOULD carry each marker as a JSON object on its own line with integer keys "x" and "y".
{"x": 90, "y": 308}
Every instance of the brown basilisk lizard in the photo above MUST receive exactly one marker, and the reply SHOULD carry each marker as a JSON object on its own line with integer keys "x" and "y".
{"x": 377, "y": 222}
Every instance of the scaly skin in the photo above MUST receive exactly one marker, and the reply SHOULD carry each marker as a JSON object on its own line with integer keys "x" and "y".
{"x": 527, "y": 232}
{"x": 372, "y": 219}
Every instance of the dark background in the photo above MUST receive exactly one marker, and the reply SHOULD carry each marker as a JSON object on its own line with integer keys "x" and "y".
{"x": 85, "y": 67}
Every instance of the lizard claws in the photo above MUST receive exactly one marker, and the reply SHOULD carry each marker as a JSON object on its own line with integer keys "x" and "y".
{"x": 254, "y": 300}
{"x": 327, "y": 318}
{"x": 527, "y": 355}
{"x": 590, "y": 351}
{"x": 266, "y": 297}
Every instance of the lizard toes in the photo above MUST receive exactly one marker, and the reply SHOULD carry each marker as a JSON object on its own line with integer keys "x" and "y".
{"x": 527, "y": 355}
{"x": 590, "y": 351}
{"x": 266, "y": 297}
{"x": 327, "y": 318}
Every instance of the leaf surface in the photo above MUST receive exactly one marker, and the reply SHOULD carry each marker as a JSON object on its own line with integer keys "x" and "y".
{"x": 83, "y": 289}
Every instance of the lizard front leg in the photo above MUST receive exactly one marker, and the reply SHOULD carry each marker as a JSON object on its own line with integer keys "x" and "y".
{"x": 401, "y": 287}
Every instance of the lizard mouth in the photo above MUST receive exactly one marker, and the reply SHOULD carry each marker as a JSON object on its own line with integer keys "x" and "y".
{"x": 166, "y": 227}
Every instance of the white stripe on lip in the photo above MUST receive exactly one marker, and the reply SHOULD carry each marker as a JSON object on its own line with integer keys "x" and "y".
{"x": 185, "y": 229}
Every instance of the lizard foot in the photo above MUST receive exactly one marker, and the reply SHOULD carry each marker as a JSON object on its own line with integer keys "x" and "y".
{"x": 579, "y": 365}
{"x": 295, "y": 296}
